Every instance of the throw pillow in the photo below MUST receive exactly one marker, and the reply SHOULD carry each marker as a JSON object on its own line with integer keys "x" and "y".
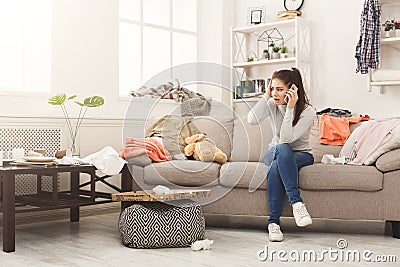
{"x": 389, "y": 161}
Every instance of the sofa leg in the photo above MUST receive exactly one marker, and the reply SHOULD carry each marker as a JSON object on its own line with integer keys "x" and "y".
{"x": 394, "y": 230}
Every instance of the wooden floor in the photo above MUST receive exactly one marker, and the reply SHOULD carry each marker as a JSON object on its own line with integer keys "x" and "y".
{"x": 95, "y": 241}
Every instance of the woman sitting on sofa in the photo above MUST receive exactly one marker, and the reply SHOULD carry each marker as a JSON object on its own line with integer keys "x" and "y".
{"x": 291, "y": 115}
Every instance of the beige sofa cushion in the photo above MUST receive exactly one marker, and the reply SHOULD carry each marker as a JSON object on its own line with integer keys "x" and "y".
{"x": 244, "y": 174}
{"x": 389, "y": 161}
{"x": 182, "y": 172}
{"x": 250, "y": 142}
{"x": 340, "y": 177}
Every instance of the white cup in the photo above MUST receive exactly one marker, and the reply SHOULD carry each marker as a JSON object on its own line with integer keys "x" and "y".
{"x": 18, "y": 154}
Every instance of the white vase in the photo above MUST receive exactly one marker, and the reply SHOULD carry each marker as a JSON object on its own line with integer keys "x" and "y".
{"x": 275, "y": 55}
{"x": 387, "y": 34}
{"x": 397, "y": 32}
{"x": 72, "y": 151}
{"x": 68, "y": 152}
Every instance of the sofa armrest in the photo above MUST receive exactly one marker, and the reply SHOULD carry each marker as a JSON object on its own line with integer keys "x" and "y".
{"x": 389, "y": 161}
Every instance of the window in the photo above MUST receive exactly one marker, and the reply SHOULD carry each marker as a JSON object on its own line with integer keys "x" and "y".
{"x": 25, "y": 45}
{"x": 154, "y": 35}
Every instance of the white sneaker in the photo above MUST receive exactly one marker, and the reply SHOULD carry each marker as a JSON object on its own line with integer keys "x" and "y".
{"x": 274, "y": 232}
{"x": 301, "y": 215}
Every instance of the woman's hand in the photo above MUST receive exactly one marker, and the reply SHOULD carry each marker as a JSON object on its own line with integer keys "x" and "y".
{"x": 292, "y": 95}
{"x": 269, "y": 92}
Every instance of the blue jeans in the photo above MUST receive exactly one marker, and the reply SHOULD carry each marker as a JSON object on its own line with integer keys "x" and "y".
{"x": 283, "y": 177}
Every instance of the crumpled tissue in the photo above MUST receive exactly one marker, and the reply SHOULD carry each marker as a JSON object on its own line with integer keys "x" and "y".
{"x": 327, "y": 158}
{"x": 201, "y": 244}
{"x": 160, "y": 189}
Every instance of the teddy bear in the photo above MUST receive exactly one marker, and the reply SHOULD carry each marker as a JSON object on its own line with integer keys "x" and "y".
{"x": 204, "y": 149}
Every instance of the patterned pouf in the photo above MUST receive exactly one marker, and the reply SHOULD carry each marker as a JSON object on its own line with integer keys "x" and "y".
{"x": 158, "y": 224}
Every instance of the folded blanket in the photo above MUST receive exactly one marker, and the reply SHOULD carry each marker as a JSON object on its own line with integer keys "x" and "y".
{"x": 138, "y": 146}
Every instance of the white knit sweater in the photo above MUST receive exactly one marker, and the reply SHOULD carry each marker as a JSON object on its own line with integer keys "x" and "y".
{"x": 281, "y": 123}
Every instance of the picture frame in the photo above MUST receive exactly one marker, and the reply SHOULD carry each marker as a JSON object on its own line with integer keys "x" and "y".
{"x": 255, "y": 15}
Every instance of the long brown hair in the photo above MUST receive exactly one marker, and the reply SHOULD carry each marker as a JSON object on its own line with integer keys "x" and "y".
{"x": 290, "y": 77}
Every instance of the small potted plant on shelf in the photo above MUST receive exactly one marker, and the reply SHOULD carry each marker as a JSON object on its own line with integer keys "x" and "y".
{"x": 388, "y": 27}
{"x": 251, "y": 56}
{"x": 284, "y": 52}
{"x": 275, "y": 51}
{"x": 270, "y": 47}
{"x": 265, "y": 54}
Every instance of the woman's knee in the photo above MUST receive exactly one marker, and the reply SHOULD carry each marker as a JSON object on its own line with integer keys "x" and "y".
{"x": 284, "y": 150}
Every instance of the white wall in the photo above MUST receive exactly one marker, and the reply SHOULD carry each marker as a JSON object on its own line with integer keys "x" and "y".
{"x": 85, "y": 55}
{"x": 334, "y": 35}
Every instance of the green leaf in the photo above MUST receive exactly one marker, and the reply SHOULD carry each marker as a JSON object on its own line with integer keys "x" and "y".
{"x": 92, "y": 102}
{"x": 57, "y": 99}
{"x": 71, "y": 97}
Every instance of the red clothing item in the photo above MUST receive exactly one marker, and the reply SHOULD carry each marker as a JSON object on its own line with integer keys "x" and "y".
{"x": 335, "y": 130}
{"x": 138, "y": 146}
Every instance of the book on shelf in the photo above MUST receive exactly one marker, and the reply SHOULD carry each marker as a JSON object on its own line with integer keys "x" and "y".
{"x": 288, "y": 14}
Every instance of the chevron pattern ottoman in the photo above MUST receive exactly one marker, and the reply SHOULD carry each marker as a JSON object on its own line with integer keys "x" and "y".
{"x": 177, "y": 223}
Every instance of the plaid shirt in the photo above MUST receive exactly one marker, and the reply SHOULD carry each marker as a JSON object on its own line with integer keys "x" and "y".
{"x": 367, "y": 49}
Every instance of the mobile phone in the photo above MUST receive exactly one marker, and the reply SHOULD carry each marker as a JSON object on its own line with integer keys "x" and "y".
{"x": 286, "y": 98}
{"x": 294, "y": 87}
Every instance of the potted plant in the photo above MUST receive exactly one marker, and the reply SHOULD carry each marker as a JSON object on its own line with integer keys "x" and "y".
{"x": 388, "y": 26}
{"x": 284, "y": 52}
{"x": 275, "y": 51}
{"x": 89, "y": 102}
{"x": 265, "y": 54}
{"x": 270, "y": 46}
{"x": 251, "y": 56}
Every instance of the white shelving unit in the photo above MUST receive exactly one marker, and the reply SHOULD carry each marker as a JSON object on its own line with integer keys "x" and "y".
{"x": 393, "y": 42}
{"x": 244, "y": 42}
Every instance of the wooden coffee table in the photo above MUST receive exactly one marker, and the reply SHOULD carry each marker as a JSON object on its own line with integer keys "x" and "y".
{"x": 72, "y": 199}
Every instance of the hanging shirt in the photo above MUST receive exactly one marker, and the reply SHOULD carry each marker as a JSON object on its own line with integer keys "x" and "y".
{"x": 367, "y": 49}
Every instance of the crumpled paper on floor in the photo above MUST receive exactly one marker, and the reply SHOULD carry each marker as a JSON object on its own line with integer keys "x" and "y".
{"x": 202, "y": 244}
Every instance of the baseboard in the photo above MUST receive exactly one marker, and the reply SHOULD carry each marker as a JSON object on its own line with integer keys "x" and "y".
{"x": 63, "y": 214}
{"x": 374, "y": 227}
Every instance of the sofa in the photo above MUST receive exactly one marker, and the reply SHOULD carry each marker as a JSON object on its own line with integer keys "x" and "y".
{"x": 239, "y": 187}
